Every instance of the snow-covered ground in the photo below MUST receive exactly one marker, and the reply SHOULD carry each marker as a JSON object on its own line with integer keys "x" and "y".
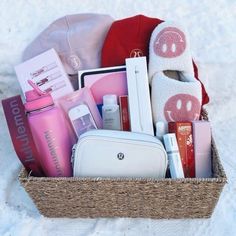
{"x": 213, "y": 41}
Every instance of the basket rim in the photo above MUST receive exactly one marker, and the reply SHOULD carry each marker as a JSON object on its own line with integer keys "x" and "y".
{"x": 23, "y": 177}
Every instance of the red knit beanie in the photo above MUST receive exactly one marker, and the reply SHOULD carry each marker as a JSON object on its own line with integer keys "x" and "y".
{"x": 127, "y": 38}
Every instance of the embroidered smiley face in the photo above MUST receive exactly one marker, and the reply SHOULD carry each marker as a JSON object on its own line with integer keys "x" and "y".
{"x": 182, "y": 107}
{"x": 170, "y": 42}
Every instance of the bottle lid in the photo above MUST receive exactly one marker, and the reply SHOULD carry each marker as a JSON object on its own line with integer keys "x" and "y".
{"x": 170, "y": 142}
{"x": 37, "y": 99}
{"x": 110, "y": 99}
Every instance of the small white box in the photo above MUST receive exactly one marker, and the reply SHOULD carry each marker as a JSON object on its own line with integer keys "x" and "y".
{"x": 46, "y": 71}
{"x": 172, "y": 149}
{"x": 139, "y": 96}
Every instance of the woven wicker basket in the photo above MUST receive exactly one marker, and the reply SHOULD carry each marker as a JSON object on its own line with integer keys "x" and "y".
{"x": 148, "y": 198}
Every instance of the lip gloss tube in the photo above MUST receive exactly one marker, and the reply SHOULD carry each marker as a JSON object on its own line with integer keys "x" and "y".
{"x": 43, "y": 69}
{"x": 55, "y": 87}
{"x": 49, "y": 78}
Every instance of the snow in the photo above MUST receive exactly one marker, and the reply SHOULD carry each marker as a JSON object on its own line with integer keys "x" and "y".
{"x": 213, "y": 36}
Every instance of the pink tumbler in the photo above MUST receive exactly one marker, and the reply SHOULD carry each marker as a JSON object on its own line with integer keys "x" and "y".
{"x": 49, "y": 132}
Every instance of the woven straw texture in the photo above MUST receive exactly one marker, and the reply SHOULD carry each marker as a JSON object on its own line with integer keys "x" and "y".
{"x": 147, "y": 198}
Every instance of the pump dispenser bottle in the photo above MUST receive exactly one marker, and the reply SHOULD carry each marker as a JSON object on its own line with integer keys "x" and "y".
{"x": 49, "y": 132}
{"x": 111, "y": 112}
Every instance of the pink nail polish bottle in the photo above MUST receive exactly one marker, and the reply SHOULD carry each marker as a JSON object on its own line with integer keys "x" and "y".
{"x": 49, "y": 132}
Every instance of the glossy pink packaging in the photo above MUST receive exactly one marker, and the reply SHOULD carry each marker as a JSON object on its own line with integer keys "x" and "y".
{"x": 50, "y": 134}
{"x": 81, "y": 96}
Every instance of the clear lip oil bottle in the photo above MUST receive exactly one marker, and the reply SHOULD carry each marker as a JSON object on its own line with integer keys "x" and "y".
{"x": 111, "y": 112}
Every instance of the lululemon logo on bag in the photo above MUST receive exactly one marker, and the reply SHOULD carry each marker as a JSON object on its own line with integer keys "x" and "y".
{"x": 170, "y": 42}
{"x": 120, "y": 156}
{"x": 136, "y": 53}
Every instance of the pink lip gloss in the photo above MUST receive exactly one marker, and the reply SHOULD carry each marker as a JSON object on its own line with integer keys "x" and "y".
{"x": 55, "y": 87}
{"x": 43, "y": 69}
{"x": 49, "y": 78}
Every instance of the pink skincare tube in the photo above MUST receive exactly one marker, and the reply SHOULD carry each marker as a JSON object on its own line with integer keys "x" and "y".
{"x": 49, "y": 132}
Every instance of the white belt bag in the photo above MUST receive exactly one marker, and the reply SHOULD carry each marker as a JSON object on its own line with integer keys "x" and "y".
{"x": 106, "y": 153}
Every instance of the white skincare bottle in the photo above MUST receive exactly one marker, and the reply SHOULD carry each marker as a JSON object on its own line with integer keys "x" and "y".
{"x": 110, "y": 112}
{"x": 172, "y": 149}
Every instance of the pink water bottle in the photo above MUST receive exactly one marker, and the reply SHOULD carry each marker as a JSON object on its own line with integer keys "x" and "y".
{"x": 49, "y": 132}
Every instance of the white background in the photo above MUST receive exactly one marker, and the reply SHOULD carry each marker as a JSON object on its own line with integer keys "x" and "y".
{"x": 213, "y": 43}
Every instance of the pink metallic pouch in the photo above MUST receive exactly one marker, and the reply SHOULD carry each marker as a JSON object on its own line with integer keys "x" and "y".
{"x": 81, "y": 96}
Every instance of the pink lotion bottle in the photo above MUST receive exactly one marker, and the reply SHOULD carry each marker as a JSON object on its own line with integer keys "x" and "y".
{"x": 49, "y": 132}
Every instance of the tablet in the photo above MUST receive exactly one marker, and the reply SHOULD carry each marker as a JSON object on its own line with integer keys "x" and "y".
{"x": 102, "y": 81}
